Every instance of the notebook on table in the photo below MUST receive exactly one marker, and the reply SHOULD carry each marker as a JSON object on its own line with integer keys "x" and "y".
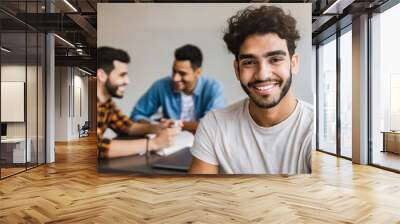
{"x": 183, "y": 140}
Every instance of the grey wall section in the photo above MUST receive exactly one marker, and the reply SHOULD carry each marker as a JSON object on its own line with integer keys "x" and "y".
{"x": 360, "y": 90}
{"x": 50, "y": 99}
{"x": 71, "y": 102}
{"x": 61, "y": 103}
{"x": 151, "y": 32}
{"x": 314, "y": 87}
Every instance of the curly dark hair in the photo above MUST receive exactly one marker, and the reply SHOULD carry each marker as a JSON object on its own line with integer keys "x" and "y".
{"x": 261, "y": 20}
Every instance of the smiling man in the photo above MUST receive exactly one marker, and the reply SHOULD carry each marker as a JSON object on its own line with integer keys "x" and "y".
{"x": 112, "y": 80}
{"x": 270, "y": 132}
{"x": 186, "y": 95}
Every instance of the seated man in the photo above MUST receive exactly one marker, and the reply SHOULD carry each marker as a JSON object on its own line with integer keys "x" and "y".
{"x": 112, "y": 78}
{"x": 186, "y": 95}
{"x": 271, "y": 131}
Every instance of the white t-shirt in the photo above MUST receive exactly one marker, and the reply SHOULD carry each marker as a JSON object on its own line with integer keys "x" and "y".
{"x": 187, "y": 106}
{"x": 230, "y": 138}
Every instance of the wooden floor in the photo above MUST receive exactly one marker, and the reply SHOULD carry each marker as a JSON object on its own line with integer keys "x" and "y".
{"x": 10, "y": 171}
{"x": 5, "y": 172}
{"x": 71, "y": 191}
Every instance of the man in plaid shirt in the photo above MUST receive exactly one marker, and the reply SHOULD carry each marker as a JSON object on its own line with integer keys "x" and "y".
{"x": 112, "y": 79}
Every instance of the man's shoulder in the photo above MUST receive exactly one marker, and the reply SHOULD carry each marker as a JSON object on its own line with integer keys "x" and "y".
{"x": 210, "y": 87}
{"x": 228, "y": 113}
{"x": 161, "y": 85}
{"x": 307, "y": 114}
{"x": 307, "y": 109}
{"x": 219, "y": 119}
{"x": 163, "y": 81}
{"x": 210, "y": 82}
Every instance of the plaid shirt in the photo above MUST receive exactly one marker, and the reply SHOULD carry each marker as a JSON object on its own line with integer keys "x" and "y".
{"x": 109, "y": 116}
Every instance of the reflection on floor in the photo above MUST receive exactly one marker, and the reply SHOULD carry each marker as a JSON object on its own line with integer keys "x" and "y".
{"x": 8, "y": 170}
{"x": 386, "y": 159}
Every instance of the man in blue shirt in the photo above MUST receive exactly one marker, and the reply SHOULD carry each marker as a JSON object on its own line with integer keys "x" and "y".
{"x": 186, "y": 95}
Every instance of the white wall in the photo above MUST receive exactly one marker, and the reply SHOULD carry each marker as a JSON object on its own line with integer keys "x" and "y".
{"x": 16, "y": 73}
{"x": 70, "y": 83}
{"x": 150, "y": 33}
{"x": 81, "y": 104}
{"x": 33, "y": 126}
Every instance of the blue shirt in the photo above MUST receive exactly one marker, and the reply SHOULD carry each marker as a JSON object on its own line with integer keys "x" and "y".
{"x": 207, "y": 95}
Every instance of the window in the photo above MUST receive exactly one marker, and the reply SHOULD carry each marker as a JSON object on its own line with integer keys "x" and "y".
{"x": 22, "y": 65}
{"x": 346, "y": 93}
{"x": 385, "y": 89}
{"x": 327, "y": 96}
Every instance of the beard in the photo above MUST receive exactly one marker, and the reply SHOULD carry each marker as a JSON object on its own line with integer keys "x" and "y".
{"x": 112, "y": 89}
{"x": 268, "y": 101}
